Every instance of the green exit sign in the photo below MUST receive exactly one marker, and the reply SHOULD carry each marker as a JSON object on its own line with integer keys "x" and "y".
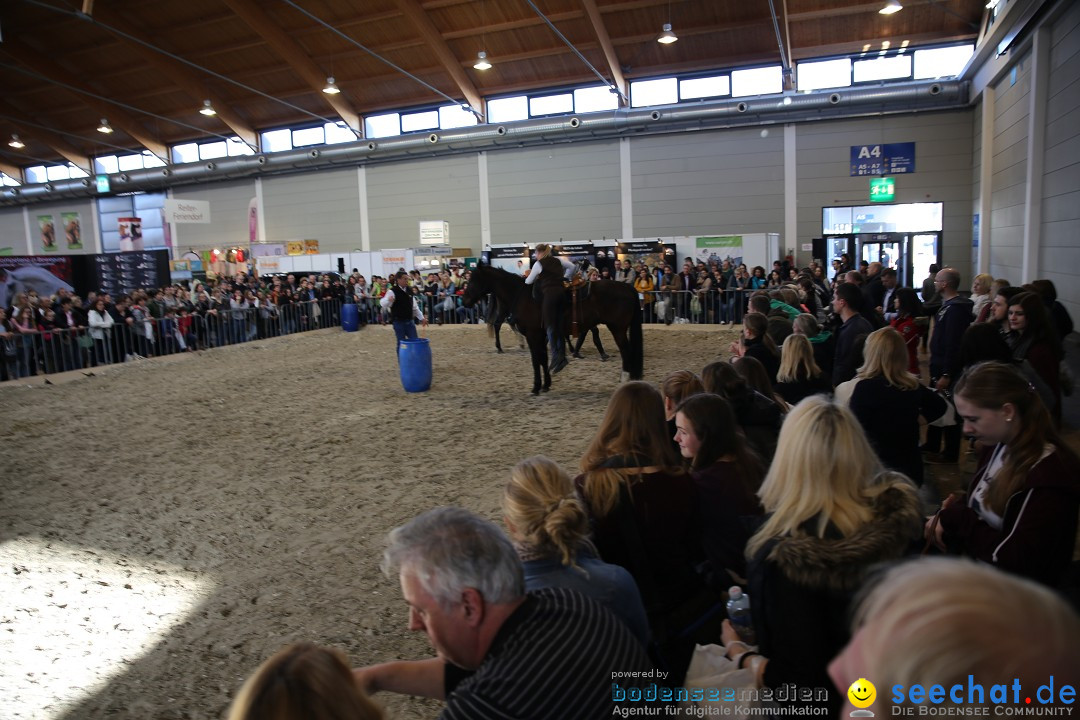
{"x": 882, "y": 189}
{"x": 102, "y": 183}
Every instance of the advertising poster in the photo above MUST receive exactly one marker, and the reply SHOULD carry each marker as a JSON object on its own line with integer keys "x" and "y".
{"x": 48, "y": 232}
{"x": 651, "y": 253}
{"x": 253, "y": 221}
{"x": 718, "y": 249}
{"x": 130, "y": 233}
{"x": 576, "y": 252}
{"x": 294, "y": 247}
{"x": 72, "y": 230}
{"x": 513, "y": 259}
{"x": 311, "y": 247}
{"x": 22, "y": 273}
{"x": 394, "y": 260}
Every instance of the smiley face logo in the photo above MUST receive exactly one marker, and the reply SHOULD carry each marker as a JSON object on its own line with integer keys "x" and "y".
{"x": 862, "y": 693}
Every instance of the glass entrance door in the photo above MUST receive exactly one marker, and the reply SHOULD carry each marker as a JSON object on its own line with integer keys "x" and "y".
{"x": 890, "y": 253}
{"x": 925, "y": 249}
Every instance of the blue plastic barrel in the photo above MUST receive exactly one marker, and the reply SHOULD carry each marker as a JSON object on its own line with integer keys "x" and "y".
{"x": 414, "y": 358}
{"x": 350, "y": 317}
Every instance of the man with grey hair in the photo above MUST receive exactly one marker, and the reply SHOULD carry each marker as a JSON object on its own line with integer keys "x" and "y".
{"x": 501, "y": 653}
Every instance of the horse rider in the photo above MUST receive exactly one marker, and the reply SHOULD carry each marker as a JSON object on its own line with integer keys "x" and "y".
{"x": 551, "y": 271}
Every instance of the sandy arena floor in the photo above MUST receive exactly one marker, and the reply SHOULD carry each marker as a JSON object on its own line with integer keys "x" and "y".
{"x": 167, "y": 525}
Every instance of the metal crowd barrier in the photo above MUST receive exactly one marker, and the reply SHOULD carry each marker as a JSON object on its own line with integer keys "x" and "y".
{"x": 60, "y": 350}
{"x": 701, "y": 307}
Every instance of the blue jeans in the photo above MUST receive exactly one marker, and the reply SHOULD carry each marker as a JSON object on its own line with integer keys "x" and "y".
{"x": 405, "y": 330}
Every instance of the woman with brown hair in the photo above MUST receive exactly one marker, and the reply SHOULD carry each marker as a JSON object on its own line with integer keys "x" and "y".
{"x": 1021, "y": 510}
{"x": 1032, "y": 337}
{"x": 675, "y": 388}
{"x": 644, "y": 512}
{"x": 550, "y": 529}
{"x": 727, "y": 474}
{"x": 304, "y": 682}
{"x": 757, "y": 344}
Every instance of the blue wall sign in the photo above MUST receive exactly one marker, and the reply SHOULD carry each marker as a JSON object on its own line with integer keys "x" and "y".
{"x": 886, "y": 159}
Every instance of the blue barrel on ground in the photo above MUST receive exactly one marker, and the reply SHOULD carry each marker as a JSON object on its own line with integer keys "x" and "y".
{"x": 414, "y": 359}
{"x": 350, "y": 317}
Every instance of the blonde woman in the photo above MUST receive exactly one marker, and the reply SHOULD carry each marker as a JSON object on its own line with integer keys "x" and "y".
{"x": 980, "y": 296}
{"x": 888, "y": 401}
{"x": 550, "y": 529}
{"x": 939, "y": 621}
{"x": 799, "y": 375}
{"x": 303, "y": 682}
{"x": 832, "y": 513}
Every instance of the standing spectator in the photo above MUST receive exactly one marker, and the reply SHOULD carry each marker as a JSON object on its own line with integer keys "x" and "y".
{"x": 27, "y": 337}
{"x": 9, "y": 350}
{"x": 950, "y": 322}
{"x": 1059, "y": 316}
{"x": 72, "y": 323}
{"x": 907, "y": 312}
{"x": 980, "y": 297}
{"x": 885, "y": 383}
{"x": 1032, "y": 338}
{"x": 931, "y": 296}
{"x": 736, "y": 294}
{"x": 890, "y": 283}
{"x": 823, "y": 341}
{"x": 101, "y": 325}
{"x": 1021, "y": 510}
{"x": 847, "y": 303}
{"x": 644, "y": 286}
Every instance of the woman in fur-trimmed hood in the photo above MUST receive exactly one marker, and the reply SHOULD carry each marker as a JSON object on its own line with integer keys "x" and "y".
{"x": 832, "y": 514}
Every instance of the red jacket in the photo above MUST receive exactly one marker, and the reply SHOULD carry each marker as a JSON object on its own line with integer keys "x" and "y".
{"x": 1038, "y": 532}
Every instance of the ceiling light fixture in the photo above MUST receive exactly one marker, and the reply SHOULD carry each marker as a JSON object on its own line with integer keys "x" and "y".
{"x": 482, "y": 61}
{"x": 105, "y": 127}
{"x": 331, "y": 87}
{"x": 207, "y": 109}
{"x": 893, "y": 6}
{"x": 16, "y": 142}
{"x": 667, "y": 37}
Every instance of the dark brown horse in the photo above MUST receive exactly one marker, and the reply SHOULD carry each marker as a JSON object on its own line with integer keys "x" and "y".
{"x": 611, "y": 303}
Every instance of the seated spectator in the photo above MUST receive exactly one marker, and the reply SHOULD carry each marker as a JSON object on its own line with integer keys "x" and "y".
{"x": 757, "y": 343}
{"x": 832, "y": 514}
{"x": 753, "y": 372}
{"x": 759, "y": 416}
{"x": 980, "y": 297}
{"x": 1021, "y": 510}
{"x": 941, "y": 622}
{"x": 675, "y": 388}
{"x": 550, "y": 530}
{"x": 501, "y": 653}
{"x": 888, "y": 402}
{"x": 823, "y": 341}
{"x": 799, "y": 376}
{"x": 303, "y": 682}
{"x": 727, "y": 475}
{"x": 644, "y": 509}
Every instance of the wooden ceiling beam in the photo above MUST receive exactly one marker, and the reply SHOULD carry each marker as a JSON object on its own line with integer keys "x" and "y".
{"x": 29, "y": 131}
{"x": 180, "y": 76}
{"x": 12, "y": 171}
{"x": 415, "y": 14}
{"x": 293, "y": 54}
{"x": 20, "y": 54}
{"x": 609, "y": 50}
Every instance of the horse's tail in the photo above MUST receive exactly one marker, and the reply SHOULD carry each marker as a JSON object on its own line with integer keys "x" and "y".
{"x": 637, "y": 346}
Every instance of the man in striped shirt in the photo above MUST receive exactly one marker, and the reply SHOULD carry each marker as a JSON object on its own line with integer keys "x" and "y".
{"x": 501, "y": 653}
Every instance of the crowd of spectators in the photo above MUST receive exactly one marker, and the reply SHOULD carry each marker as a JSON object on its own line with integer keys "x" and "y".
{"x": 793, "y": 470}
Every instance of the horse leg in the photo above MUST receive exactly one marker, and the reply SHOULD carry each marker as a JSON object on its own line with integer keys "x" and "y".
{"x": 577, "y": 346}
{"x": 599, "y": 345}
{"x": 623, "y": 342}
{"x": 498, "y": 345}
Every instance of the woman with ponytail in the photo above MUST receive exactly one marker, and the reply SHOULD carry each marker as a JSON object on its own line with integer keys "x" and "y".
{"x": 1021, "y": 511}
{"x": 550, "y": 530}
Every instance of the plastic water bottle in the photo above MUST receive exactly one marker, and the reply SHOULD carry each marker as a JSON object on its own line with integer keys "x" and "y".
{"x": 738, "y": 610}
